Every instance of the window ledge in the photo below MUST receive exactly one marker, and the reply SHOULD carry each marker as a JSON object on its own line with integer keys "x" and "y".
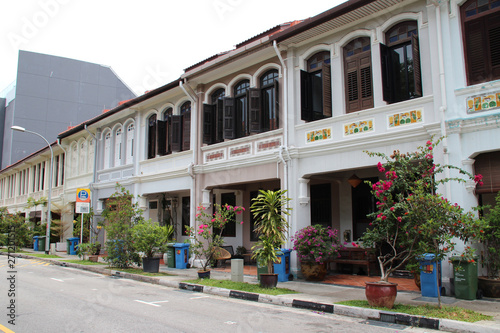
{"x": 245, "y": 139}
{"x": 478, "y": 88}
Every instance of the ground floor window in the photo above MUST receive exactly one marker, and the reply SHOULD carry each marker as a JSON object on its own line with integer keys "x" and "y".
{"x": 321, "y": 204}
{"x": 185, "y": 215}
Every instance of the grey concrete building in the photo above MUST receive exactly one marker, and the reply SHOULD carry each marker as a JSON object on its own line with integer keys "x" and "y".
{"x": 50, "y": 94}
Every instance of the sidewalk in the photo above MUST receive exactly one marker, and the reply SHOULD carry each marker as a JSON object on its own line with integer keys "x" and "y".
{"x": 317, "y": 296}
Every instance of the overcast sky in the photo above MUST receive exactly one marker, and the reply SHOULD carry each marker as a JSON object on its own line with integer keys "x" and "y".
{"x": 147, "y": 43}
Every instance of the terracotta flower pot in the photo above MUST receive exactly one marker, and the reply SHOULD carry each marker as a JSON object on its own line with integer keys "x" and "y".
{"x": 313, "y": 271}
{"x": 381, "y": 294}
{"x": 489, "y": 287}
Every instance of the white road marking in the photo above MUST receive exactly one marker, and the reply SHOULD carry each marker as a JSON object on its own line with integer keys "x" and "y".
{"x": 62, "y": 280}
{"x": 198, "y": 297}
{"x": 57, "y": 280}
{"x": 230, "y": 322}
{"x": 151, "y": 303}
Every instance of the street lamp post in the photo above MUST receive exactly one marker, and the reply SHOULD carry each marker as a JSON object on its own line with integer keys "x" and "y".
{"x": 49, "y": 214}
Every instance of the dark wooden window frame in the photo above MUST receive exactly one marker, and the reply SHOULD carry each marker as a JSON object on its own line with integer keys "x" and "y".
{"x": 315, "y": 88}
{"x": 358, "y": 78}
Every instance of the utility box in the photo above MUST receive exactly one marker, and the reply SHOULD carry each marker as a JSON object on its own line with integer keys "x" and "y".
{"x": 282, "y": 266}
{"x": 430, "y": 275}
{"x": 181, "y": 255}
{"x": 237, "y": 270}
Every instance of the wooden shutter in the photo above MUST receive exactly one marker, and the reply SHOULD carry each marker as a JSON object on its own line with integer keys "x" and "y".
{"x": 352, "y": 86}
{"x": 151, "y": 138}
{"x": 161, "y": 138}
{"x": 387, "y": 73}
{"x": 229, "y": 119}
{"x": 219, "y": 120}
{"x": 416, "y": 66}
{"x": 488, "y": 165}
{"x": 176, "y": 128}
{"x": 365, "y": 64}
{"x": 326, "y": 75}
{"x": 208, "y": 123}
{"x": 475, "y": 44}
{"x": 306, "y": 112}
{"x": 275, "y": 124}
{"x": 493, "y": 26}
{"x": 254, "y": 110}
{"x": 186, "y": 130}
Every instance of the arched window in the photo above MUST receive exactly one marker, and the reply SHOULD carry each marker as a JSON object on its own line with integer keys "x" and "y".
{"x": 315, "y": 85}
{"x": 358, "y": 74}
{"x": 400, "y": 60}
{"x": 213, "y": 114}
{"x": 107, "y": 150}
{"x": 264, "y": 117}
{"x": 118, "y": 147}
{"x": 130, "y": 144}
{"x": 152, "y": 136}
{"x": 240, "y": 117}
{"x": 90, "y": 164}
{"x": 481, "y": 35}
{"x": 83, "y": 158}
{"x": 186, "y": 107}
{"x": 185, "y": 134}
{"x": 74, "y": 160}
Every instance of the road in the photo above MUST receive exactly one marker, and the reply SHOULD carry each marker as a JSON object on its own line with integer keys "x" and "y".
{"x": 50, "y": 298}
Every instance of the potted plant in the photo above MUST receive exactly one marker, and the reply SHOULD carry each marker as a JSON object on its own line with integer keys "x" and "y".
{"x": 206, "y": 238}
{"x": 270, "y": 209}
{"x": 490, "y": 284}
{"x": 411, "y": 217}
{"x": 315, "y": 245}
{"x": 83, "y": 250}
{"x": 149, "y": 237}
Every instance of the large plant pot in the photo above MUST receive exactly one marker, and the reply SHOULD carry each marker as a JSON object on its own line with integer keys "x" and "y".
{"x": 151, "y": 265}
{"x": 381, "y": 294}
{"x": 268, "y": 280}
{"x": 93, "y": 258}
{"x": 489, "y": 287}
{"x": 204, "y": 274}
{"x": 313, "y": 271}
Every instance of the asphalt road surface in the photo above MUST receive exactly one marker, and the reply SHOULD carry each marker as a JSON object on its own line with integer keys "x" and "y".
{"x": 39, "y": 297}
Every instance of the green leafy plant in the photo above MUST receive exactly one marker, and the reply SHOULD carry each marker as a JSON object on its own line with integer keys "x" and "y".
{"x": 149, "y": 237}
{"x": 120, "y": 215}
{"x": 206, "y": 238}
{"x": 316, "y": 243}
{"x": 15, "y": 232}
{"x": 491, "y": 240}
{"x": 412, "y": 218}
{"x": 270, "y": 209}
{"x": 83, "y": 250}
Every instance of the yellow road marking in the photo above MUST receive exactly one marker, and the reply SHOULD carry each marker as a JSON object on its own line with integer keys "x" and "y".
{"x": 5, "y": 329}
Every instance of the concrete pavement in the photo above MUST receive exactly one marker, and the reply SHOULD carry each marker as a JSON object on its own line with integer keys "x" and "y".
{"x": 315, "y": 296}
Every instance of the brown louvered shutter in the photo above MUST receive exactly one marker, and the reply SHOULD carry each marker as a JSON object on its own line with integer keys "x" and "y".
{"x": 275, "y": 123}
{"x": 366, "y": 82}
{"x": 493, "y": 26}
{"x": 327, "y": 90}
{"x": 161, "y": 139}
{"x": 152, "y": 137}
{"x": 306, "y": 110}
{"x": 488, "y": 165}
{"x": 176, "y": 128}
{"x": 475, "y": 44}
{"x": 352, "y": 86}
{"x": 229, "y": 119}
{"x": 255, "y": 112}
{"x": 387, "y": 73}
{"x": 208, "y": 123}
{"x": 186, "y": 130}
{"x": 416, "y": 66}
{"x": 219, "y": 121}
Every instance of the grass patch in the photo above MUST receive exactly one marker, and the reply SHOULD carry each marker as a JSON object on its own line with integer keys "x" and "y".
{"x": 43, "y": 255}
{"x": 241, "y": 286}
{"x": 17, "y": 251}
{"x": 84, "y": 262}
{"x": 138, "y": 271}
{"x": 446, "y": 312}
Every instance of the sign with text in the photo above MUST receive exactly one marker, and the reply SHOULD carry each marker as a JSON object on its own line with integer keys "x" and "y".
{"x": 82, "y": 201}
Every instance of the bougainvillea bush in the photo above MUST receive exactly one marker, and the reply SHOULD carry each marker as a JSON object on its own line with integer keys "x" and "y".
{"x": 316, "y": 243}
{"x": 412, "y": 218}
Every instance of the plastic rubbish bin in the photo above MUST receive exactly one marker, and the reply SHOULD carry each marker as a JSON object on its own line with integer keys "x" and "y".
{"x": 282, "y": 266}
{"x": 170, "y": 255}
{"x": 72, "y": 245}
{"x": 465, "y": 278}
{"x": 41, "y": 243}
{"x": 181, "y": 255}
{"x": 430, "y": 275}
{"x": 35, "y": 243}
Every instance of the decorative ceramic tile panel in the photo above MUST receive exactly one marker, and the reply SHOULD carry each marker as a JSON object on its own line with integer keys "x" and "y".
{"x": 484, "y": 102}
{"x": 357, "y": 127}
{"x": 240, "y": 150}
{"x": 319, "y": 135}
{"x": 214, "y": 156}
{"x": 405, "y": 118}
{"x": 268, "y": 144}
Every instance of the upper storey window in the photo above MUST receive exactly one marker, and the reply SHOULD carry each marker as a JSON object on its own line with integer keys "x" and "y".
{"x": 315, "y": 88}
{"x": 239, "y": 118}
{"x": 266, "y": 117}
{"x": 213, "y": 115}
{"x": 152, "y": 136}
{"x": 400, "y": 60}
{"x": 481, "y": 34}
{"x": 358, "y": 75}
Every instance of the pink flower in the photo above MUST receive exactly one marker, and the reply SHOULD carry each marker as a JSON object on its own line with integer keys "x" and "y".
{"x": 428, "y": 143}
{"x": 430, "y": 148}
{"x": 241, "y": 222}
{"x": 380, "y": 167}
{"x": 399, "y": 219}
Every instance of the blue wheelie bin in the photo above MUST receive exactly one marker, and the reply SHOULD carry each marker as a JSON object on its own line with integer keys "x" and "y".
{"x": 430, "y": 275}
{"x": 181, "y": 255}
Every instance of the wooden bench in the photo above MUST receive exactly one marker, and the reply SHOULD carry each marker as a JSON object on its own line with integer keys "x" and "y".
{"x": 356, "y": 256}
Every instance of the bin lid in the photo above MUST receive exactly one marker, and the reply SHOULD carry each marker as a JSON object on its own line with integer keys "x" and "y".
{"x": 181, "y": 245}
{"x": 428, "y": 256}
{"x": 35, "y": 237}
{"x": 73, "y": 238}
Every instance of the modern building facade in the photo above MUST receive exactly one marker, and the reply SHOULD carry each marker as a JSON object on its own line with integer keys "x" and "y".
{"x": 295, "y": 108}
